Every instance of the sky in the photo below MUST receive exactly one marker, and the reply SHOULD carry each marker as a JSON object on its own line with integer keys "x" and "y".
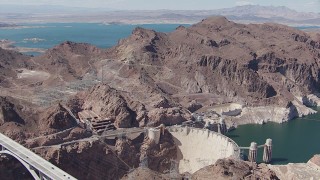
{"x": 299, "y": 5}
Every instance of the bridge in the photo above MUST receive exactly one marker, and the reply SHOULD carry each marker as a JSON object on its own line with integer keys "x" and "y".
{"x": 38, "y": 167}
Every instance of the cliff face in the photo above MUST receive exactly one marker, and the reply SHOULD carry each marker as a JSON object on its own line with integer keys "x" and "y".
{"x": 127, "y": 110}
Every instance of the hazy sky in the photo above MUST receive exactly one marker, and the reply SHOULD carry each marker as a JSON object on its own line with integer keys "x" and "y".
{"x": 299, "y": 5}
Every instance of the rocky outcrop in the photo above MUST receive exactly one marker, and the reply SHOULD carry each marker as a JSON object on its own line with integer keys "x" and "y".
{"x": 167, "y": 116}
{"x": 315, "y": 161}
{"x": 310, "y": 100}
{"x": 264, "y": 114}
{"x": 18, "y": 119}
{"x": 9, "y": 112}
{"x": 309, "y": 170}
{"x": 145, "y": 174}
{"x": 159, "y": 156}
{"x": 194, "y": 106}
{"x": 56, "y": 117}
{"x": 69, "y": 60}
{"x": 107, "y": 102}
{"x": 223, "y": 169}
{"x": 233, "y": 169}
{"x": 127, "y": 111}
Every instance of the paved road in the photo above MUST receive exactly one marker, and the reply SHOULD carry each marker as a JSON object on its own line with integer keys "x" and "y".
{"x": 108, "y": 134}
{"x": 34, "y": 160}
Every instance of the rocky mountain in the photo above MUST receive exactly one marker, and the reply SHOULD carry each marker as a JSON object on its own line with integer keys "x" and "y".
{"x": 220, "y": 61}
{"x": 268, "y": 13}
{"x": 69, "y": 60}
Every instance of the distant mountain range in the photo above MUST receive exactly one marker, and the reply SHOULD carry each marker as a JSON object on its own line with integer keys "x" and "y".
{"x": 244, "y": 14}
{"x": 267, "y": 12}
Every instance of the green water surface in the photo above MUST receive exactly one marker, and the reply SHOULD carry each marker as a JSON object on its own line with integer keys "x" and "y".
{"x": 295, "y": 141}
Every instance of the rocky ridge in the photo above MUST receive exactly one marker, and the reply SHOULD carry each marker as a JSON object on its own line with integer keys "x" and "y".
{"x": 256, "y": 65}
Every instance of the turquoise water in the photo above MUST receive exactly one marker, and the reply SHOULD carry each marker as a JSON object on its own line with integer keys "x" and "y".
{"x": 308, "y": 27}
{"x": 295, "y": 141}
{"x": 52, "y": 34}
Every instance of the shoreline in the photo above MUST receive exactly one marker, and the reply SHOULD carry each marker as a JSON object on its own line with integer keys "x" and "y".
{"x": 9, "y": 45}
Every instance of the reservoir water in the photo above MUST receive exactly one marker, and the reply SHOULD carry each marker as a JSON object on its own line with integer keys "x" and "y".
{"x": 51, "y": 34}
{"x": 295, "y": 141}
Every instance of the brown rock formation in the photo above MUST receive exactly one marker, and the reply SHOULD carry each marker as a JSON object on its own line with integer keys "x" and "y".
{"x": 17, "y": 118}
{"x": 309, "y": 170}
{"x": 233, "y": 169}
{"x": 56, "y": 117}
{"x": 9, "y": 60}
{"x": 145, "y": 174}
{"x": 127, "y": 111}
{"x": 159, "y": 155}
{"x": 9, "y": 111}
{"x": 69, "y": 60}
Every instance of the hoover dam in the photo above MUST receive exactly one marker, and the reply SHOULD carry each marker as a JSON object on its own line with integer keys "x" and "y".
{"x": 198, "y": 148}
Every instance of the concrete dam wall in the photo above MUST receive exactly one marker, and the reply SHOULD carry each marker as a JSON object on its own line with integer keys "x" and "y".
{"x": 198, "y": 148}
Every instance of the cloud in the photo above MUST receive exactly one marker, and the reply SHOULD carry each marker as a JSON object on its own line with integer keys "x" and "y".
{"x": 243, "y": 2}
{"x": 311, "y": 3}
{"x": 311, "y": 6}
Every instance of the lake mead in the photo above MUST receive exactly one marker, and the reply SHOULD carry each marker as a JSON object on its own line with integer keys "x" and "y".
{"x": 295, "y": 141}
